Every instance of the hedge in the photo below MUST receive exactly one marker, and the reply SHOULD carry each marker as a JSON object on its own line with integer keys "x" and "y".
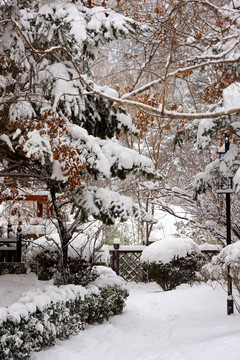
{"x": 30, "y": 326}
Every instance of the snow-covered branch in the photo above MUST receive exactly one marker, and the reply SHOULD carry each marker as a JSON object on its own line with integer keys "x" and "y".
{"x": 124, "y": 99}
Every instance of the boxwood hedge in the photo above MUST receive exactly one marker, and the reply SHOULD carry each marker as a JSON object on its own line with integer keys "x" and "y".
{"x": 26, "y": 327}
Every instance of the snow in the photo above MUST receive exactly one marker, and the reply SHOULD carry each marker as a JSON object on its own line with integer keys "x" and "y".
{"x": 101, "y": 201}
{"x": 80, "y": 244}
{"x": 207, "y": 246}
{"x": 57, "y": 172}
{"x": 184, "y": 324}
{"x": 236, "y": 181}
{"x": 20, "y": 293}
{"x": 203, "y": 138}
{"x": 166, "y": 250}
{"x": 62, "y": 85}
{"x": 167, "y": 225}
{"x": 5, "y": 138}
{"x": 20, "y": 110}
{"x": 231, "y": 96}
{"x": 236, "y": 3}
{"x": 38, "y": 147}
{"x": 13, "y": 286}
{"x": 230, "y": 255}
{"x": 108, "y": 153}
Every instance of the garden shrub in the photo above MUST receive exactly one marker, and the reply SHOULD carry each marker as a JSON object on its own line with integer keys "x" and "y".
{"x": 172, "y": 262}
{"x": 57, "y": 314}
{"x": 47, "y": 261}
{"x": 79, "y": 270}
{"x": 217, "y": 270}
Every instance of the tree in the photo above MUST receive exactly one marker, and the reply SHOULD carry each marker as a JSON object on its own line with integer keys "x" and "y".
{"x": 184, "y": 74}
{"x": 57, "y": 127}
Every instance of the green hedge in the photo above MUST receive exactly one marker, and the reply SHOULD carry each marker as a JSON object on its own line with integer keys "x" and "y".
{"x": 27, "y": 328}
{"x": 180, "y": 270}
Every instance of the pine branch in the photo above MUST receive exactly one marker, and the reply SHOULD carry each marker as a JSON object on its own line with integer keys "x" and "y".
{"x": 124, "y": 99}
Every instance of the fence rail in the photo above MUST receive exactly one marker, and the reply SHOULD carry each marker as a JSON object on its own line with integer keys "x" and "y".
{"x": 125, "y": 261}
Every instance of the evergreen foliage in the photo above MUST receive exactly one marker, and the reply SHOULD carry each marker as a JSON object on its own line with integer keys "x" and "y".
{"x": 180, "y": 270}
{"x": 35, "y": 330}
{"x": 57, "y": 127}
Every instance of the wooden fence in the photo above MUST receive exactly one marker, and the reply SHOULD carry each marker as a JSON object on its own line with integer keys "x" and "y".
{"x": 11, "y": 246}
{"x": 125, "y": 261}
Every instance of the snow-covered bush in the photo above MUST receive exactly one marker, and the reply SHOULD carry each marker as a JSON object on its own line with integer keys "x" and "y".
{"x": 172, "y": 262}
{"x": 78, "y": 270}
{"x": 227, "y": 259}
{"x": 39, "y": 318}
{"x": 84, "y": 254}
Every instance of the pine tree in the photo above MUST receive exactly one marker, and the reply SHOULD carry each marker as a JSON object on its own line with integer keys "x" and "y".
{"x": 58, "y": 128}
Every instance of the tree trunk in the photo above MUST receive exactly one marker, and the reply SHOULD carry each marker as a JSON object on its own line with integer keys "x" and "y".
{"x": 64, "y": 235}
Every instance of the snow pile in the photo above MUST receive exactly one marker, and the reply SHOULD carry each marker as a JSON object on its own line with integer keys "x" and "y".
{"x": 107, "y": 277}
{"x": 166, "y": 250}
{"x": 40, "y": 298}
{"x": 27, "y": 290}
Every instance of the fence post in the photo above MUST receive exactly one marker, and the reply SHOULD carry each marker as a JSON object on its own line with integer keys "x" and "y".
{"x": 116, "y": 245}
{"x": 19, "y": 243}
{"x": 9, "y": 229}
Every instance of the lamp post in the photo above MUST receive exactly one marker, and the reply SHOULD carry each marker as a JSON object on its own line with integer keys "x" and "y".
{"x": 227, "y": 188}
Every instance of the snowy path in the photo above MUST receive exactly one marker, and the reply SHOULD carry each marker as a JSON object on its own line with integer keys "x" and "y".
{"x": 185, "y": 324}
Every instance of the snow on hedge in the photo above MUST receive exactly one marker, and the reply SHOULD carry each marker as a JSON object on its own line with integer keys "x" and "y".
{"x": 165, "y": 250}
{"x": 39, "y": 299}
{"x": 42, "y": 316}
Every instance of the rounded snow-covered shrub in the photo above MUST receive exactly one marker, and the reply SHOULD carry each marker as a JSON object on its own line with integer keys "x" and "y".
{"x": 172, "y": 262}
{"x": 227, "y": 260}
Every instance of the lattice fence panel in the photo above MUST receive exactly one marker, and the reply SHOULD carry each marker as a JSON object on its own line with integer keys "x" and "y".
{"x": 209, "y": 254}
{"x": 127, "y": 263}
{"x": 130, "y": 267}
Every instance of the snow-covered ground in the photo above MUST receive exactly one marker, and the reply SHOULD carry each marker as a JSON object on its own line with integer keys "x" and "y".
{"x": 13, "y": 286}
{"x": 184, "y": 324}
{"x": 189, "y": 323}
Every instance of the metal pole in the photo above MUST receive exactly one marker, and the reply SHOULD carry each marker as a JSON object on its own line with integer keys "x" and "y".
{"x": 228, "y": 217}
{"x": 228, "y": 220}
